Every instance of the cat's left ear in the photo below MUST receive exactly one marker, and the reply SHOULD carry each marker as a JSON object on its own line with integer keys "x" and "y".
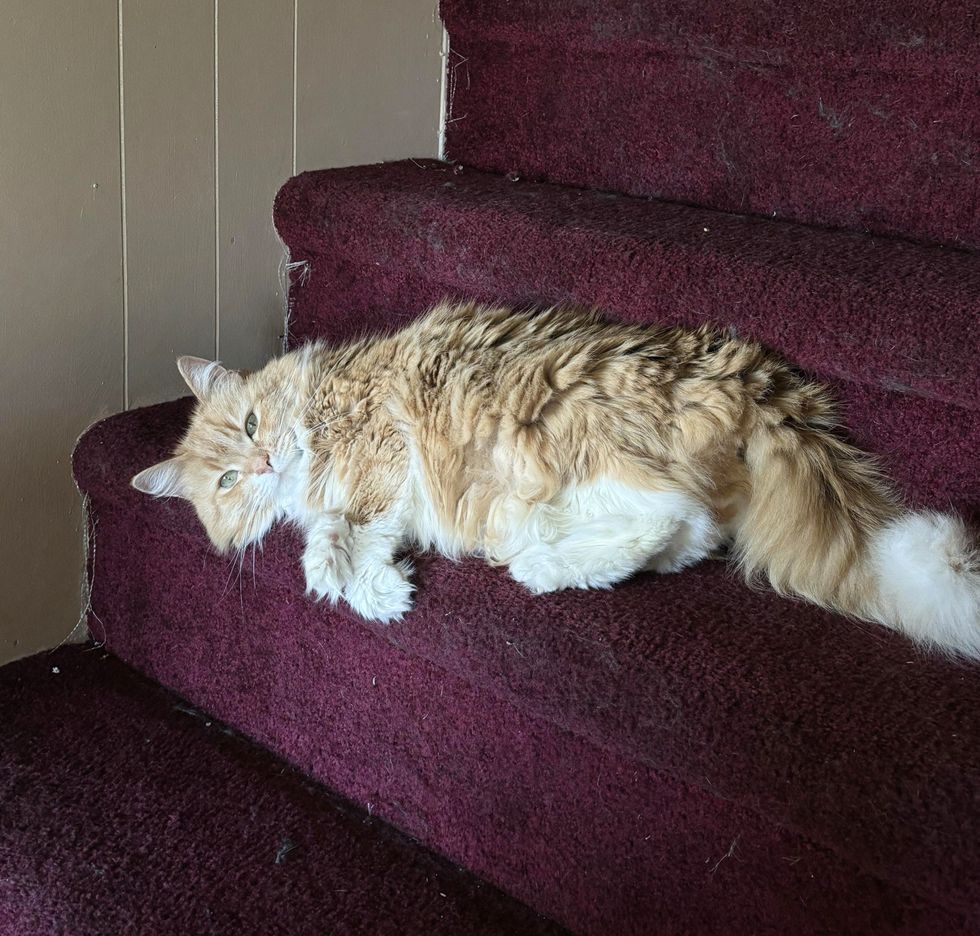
{"x": 165, "y": 479}
{"x": 204, "y": 376}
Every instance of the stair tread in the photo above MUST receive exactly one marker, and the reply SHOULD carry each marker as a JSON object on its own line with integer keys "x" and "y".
{"x": 842, "y": 732}
{"x": 844, "y": 113}
{"x": 128, "y": 811}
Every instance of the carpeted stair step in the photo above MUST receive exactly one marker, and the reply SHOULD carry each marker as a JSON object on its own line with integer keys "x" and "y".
{"x": 860, "y": 115}
{"x": 125, "y": 810}
{"x": 680, "y": 750}
{"x": 893, "y": 325}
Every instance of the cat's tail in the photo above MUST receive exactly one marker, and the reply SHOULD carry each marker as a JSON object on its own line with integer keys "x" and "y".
{"x": 823, "y": 523}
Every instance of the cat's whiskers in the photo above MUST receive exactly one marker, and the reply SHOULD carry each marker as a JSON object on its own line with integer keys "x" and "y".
{"x": 241, "y": 597}
{"x": 307, "y": 431}
{"x": 261, "y": 513}
{"x": 318, "y": 427}
{"x": 231, "y": 570}
{"x": 306, "y": 407}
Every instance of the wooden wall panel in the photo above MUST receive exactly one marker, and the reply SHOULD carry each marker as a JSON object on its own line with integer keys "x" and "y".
{"x": 168, "y": 85}
{"x": 255, "y": 129}
{"x": 61, "y": 323}
{"x": 369, "y": 81}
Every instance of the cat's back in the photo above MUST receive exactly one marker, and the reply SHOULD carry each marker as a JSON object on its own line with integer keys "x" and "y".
{"x": 469, "y": 330}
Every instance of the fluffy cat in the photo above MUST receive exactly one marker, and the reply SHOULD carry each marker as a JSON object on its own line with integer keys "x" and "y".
{"x": 574, "y": 450}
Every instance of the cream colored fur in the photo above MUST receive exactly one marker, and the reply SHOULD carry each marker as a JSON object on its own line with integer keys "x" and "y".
{"x": 573, "y": 450}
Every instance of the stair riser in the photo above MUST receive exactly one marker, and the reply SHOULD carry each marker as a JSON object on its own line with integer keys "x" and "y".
{"x": 879, "y": 142}
{"x": 601, "y": 842}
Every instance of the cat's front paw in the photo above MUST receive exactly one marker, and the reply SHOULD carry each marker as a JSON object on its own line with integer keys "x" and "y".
{"x": 327, "y": 562}
{"x": 381, "y": 593}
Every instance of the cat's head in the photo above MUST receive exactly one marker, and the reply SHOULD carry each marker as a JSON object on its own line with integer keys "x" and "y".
{"x": 238, "y": 462}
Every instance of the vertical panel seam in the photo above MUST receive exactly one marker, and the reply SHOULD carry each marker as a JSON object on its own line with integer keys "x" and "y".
{"x": 295, "y": 76}
{"x": 123, "y": 231}
{"x": 217, "y": 204}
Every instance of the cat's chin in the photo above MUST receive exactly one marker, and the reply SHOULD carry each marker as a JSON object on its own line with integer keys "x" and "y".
{"x": 291, "y": 474}
{"x": 254, "y": 537}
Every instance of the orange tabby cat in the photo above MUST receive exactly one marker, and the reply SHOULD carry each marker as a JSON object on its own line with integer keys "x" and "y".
{"x": 575, "y": 451}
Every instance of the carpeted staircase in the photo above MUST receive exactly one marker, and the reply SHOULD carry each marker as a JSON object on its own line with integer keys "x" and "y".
{"x": 125, "y": 810}
{"x": 681, "y": 755}
{"x": 858, "y": 114}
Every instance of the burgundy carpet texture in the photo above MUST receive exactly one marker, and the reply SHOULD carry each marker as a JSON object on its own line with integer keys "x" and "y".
{"x": 681, "y": 754}
{"x": 123, "y": 810}
{"x": 859, "y": 114}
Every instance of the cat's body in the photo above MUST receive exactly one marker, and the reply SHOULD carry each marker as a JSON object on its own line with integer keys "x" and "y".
{"x": 573, "y": 450}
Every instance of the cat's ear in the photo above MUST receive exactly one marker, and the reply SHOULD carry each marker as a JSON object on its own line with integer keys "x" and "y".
{"x": 165, "y": 479}
{"x": 204, "y": 376}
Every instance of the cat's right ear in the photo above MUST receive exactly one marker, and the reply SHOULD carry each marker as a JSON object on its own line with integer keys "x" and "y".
{"x": 165, "y": 479}
{"x": 202, "y": 376}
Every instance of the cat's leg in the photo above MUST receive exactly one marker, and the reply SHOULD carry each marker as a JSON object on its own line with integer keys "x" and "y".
{"x": 697, "y": 537}
{"x": 598, "y": 554}
{"x": 607, "y": 532}
{"x": 327, "y": 557}
{"x": 356, "y": 562}
{"x": 379, "y": 588}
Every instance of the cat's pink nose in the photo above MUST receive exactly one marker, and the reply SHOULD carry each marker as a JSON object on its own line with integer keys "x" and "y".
{"x": 261, "y": 464}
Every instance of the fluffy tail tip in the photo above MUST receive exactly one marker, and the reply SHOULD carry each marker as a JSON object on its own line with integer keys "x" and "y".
{"x": 927, "y": 568}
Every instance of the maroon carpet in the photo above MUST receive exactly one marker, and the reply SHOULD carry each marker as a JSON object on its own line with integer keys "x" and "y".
{"x": 125, "y": 811}
{"x": 861, "y": 114}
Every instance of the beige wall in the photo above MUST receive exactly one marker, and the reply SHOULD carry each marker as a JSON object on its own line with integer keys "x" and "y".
{"x": 141, "y": 145}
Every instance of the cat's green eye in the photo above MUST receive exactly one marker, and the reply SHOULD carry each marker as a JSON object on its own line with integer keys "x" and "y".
{"x": 251, "y": 424}
{"x": 228, "y": 478}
